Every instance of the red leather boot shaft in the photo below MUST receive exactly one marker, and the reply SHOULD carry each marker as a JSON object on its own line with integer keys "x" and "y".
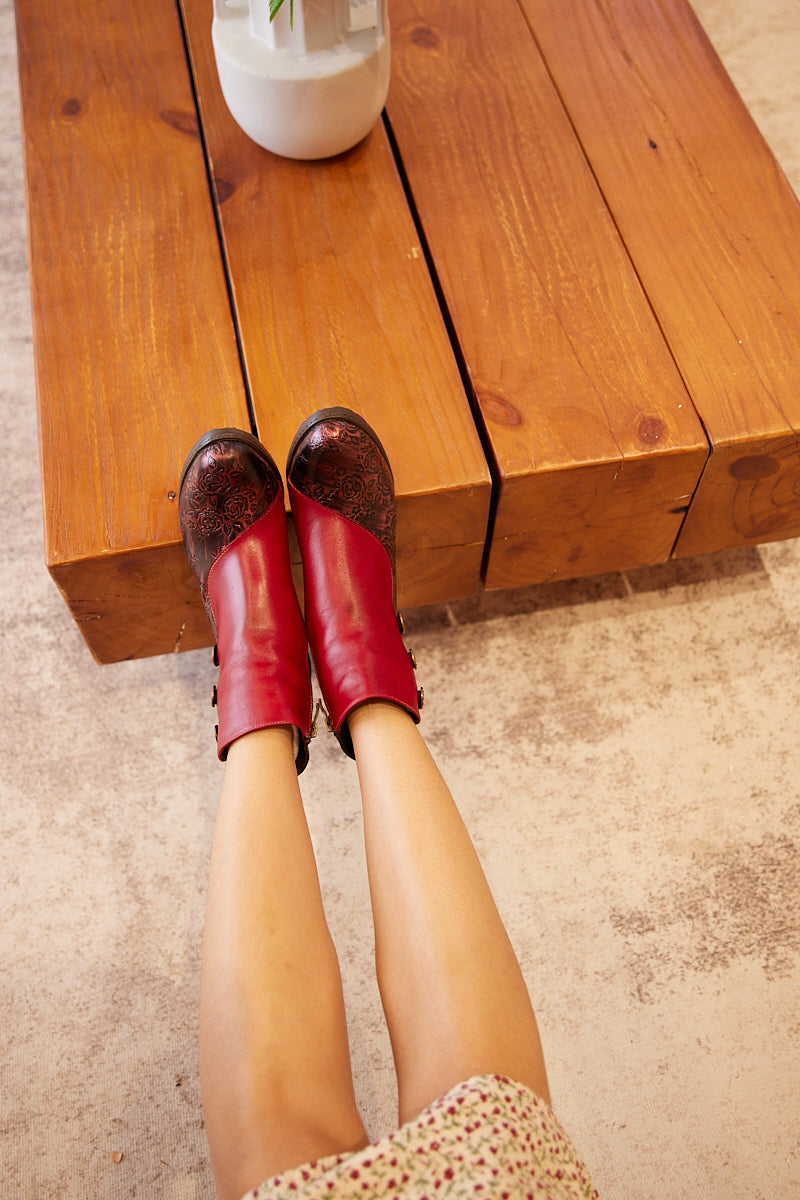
{"x": 351, "y": 621}
{"x": 261, "y": 639}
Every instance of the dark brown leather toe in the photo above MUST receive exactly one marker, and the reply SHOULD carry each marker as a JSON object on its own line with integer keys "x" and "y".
{"x": 228, "y": 481}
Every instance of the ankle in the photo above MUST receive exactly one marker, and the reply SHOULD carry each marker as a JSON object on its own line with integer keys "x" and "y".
{"x": 272, "y": 740}
{"x": 380, "y": 716}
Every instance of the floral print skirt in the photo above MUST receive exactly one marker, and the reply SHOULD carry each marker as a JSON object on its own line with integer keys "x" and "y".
{"x": 488, "y": 1138}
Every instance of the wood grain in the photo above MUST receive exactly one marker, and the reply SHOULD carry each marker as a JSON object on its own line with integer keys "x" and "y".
{"x": 713, "y": 228}
{"x": 135, "y": 347}
{"x": 561, "y": 259}
{"x": 136, "y": 603}
{"x": 335, "y": 306}
{"x": 595, "y": 441}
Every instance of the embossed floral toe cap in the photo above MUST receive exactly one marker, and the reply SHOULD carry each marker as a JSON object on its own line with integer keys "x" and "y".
{"x": 228, "y": 481}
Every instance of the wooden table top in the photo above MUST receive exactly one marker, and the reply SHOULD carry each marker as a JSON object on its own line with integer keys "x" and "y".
{"x": 561, "y": 279}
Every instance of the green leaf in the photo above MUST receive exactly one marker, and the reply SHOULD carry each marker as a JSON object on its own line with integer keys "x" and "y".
{"x": 274, "y": 6}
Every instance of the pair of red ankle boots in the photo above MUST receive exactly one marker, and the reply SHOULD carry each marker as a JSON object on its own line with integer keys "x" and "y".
{"x": 233, "y": 522}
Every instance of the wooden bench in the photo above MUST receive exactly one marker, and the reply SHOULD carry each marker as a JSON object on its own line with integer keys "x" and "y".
{"x": 607, "y": 451}
{"x": 592, "y": 324}
{"x": 713, "y": 229}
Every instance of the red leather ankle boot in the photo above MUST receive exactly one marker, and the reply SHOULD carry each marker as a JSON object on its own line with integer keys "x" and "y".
{"x": 342, "y": 495}
{"x": 234, "y": 529}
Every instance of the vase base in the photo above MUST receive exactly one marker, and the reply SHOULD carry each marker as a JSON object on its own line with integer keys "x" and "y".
{"x": 304, "y": 106}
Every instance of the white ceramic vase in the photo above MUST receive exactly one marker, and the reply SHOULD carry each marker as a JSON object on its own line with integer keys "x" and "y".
{"x": 308, "y": 89}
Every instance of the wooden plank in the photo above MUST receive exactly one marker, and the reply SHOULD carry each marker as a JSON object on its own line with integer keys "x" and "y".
{"x": 335, "y": 305}
{"x": 135, "y": 603}
{"x": 135, "y": 348}
{"x": 713, "y": 228}
{"x": 597, "y": 446}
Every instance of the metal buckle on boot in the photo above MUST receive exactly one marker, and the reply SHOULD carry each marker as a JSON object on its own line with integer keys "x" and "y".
{"x": 320, "y": 706}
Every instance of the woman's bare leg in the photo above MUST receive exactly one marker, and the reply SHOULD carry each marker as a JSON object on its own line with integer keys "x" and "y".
{"x": 454, "y": 996}
{"x": 274, "y": 1058}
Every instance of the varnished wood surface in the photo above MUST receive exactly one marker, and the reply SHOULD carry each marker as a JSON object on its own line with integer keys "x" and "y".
{"x": 136, "y": 350}
{"x": 714, "y": 231}
{"x": 335, "y": 306}
{"x": 136, "y": 603}
{"x": 596, "y": 443}
{"x": 579, "y": 195}
{"x": 135, "y": 347}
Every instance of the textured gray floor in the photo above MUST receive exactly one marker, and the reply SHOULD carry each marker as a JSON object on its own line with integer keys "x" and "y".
{"x": 625, "y": 752}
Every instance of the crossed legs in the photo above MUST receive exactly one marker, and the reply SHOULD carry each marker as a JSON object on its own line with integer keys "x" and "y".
{"x": 275, "y": 1068}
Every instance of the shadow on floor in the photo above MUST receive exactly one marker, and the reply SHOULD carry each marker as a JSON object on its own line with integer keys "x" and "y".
{"x": 676, "y": 581}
